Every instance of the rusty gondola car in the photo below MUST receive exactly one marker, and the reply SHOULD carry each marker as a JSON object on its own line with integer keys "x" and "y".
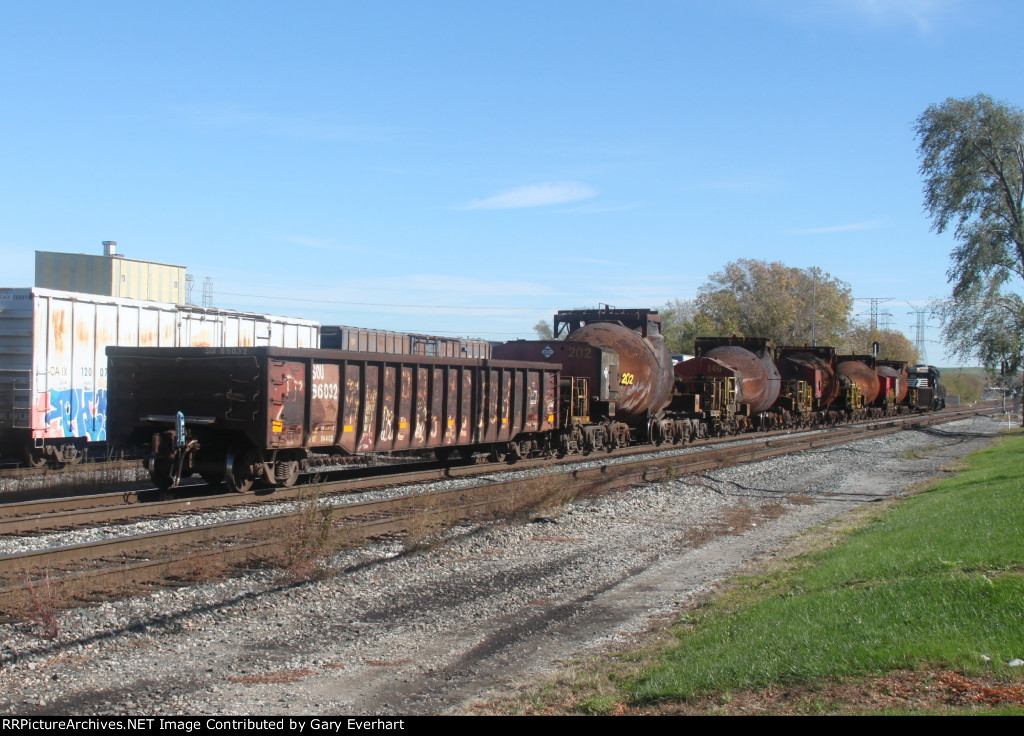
{"x": 370, "y": 340}
{"x": 243, "y": 415}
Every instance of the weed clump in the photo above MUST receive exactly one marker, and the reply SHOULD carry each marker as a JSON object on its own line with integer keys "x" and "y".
{"x": 44, "y": 604}
{"x": 308, "y": 539}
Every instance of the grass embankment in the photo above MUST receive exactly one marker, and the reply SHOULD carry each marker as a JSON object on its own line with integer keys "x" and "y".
{"x": 923, "y": 599}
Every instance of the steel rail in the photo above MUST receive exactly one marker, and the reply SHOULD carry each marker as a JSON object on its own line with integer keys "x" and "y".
{"x": 73, "y": 511}
{"x": 506, "y": 495}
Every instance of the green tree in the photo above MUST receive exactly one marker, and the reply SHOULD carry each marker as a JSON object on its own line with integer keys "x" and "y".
{"x": 681, "y": 323}
{"x": 972, "y": 162}
{"x": 985, "y": 327}
{"x": 967, "y": 386}
{"x": 791, "y": 306}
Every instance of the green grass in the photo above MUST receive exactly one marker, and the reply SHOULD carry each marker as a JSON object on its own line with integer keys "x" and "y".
{"x": 936, "y": 581}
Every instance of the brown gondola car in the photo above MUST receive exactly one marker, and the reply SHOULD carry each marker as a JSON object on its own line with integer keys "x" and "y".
{"x": 247, "y": 414}
{"x": 370, "y": 340}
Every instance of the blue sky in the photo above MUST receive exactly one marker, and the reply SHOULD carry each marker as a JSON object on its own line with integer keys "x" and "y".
{"x": 471, "y": 167}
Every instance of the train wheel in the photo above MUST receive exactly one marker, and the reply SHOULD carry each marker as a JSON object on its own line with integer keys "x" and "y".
{"x": 498, "y": 454}
{"x": 287, "y": 473}
{"x": 239, "y": 468}
{"x": 160, "y": 472}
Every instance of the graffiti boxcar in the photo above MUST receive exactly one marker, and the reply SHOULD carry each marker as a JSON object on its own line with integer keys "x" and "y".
{"x": 53, "y": 364}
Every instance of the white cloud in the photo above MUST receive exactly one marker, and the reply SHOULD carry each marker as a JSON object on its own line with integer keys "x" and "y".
{"x": 924, "y": 15}
{"x": 921, "y": 13}
{"x": 533, "y": 195}
{"x": 590, "y": 208}
{"x": 868, "y": 225}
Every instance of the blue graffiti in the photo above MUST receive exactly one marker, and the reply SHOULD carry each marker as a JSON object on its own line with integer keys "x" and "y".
{"x": 77, "y": 413}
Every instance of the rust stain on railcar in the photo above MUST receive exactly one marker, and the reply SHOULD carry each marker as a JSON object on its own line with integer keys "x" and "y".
{"x": 58, "y": 327}
{"x": 420, "y": 408}
{"x": 325, "y": 395}
{"x": 451, "y": 414}
{"x": 349, "y": 409}
{"x": 466, "y": 407}
{"x": 371, "y": 393}
{"x": 287, "y": 403}
{"x": 437, "y": 385}
{"x": 402, "y": 436}
{"x": 533, "y": 402}
{"x": 386, "y": 433}
{"x": 518, "y": 393}
{"x": 505, "y": 409}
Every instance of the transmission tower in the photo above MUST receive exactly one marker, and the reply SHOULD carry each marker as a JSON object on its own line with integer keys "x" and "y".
{"x": 190, "y": 283}
{"x": 208, "y": 292}
{"x": 885, "y": 321}
{"x": 875, "y": 301}
{"x": 919, "y": 332}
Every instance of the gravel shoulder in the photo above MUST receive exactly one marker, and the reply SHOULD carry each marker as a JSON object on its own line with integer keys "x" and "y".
{"x": 470, "y": 617}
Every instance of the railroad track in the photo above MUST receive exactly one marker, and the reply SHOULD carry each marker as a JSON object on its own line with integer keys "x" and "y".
{"x": 124, "y": 563}
{"x": 40, "y": 509}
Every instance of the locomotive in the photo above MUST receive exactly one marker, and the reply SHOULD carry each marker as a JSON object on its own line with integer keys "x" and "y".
{"x": 247, "y": 415}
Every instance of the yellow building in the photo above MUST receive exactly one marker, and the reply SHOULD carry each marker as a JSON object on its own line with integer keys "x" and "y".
{"x": 111, "y": 275}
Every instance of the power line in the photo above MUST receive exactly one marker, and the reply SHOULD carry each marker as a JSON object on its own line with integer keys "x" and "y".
{"x": 380, "y": 304}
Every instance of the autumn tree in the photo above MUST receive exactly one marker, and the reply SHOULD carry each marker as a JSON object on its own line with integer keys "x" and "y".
{"x": 972, "y": 162}
{"x": 543, "y": 330}
{"x": 791, "y": 306}
{"x": 892, "y": 345}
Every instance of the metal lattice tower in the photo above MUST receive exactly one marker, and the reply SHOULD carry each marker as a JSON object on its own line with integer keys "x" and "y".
{"x": 875, "y": 301}
{"x": 919, "y": 332}
{"x": 190, "y": 284}
{"x": 207, "y": 292}
{"x": 885, "y": 321}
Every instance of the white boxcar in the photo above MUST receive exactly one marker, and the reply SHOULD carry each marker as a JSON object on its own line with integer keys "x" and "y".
{"x": 53, "y": 364}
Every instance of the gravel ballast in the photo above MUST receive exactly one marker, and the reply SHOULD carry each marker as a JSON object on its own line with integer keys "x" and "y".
{"x": 472, "y": 615}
